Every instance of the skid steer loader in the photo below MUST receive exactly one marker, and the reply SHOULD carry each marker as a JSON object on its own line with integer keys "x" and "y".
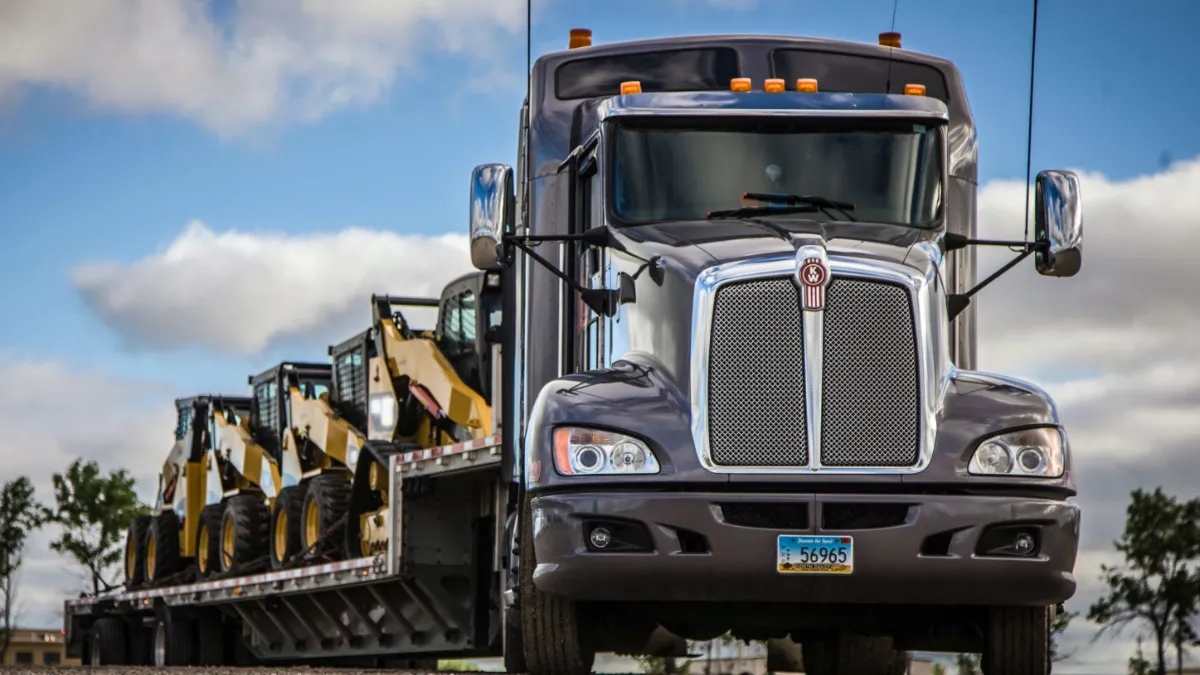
{"x": 413, "y": 390}
{"x": 209, "y": 488}
{"x": 315, "y": 448}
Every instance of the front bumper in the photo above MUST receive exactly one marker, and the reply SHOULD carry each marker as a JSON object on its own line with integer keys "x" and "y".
{"x": 908, "y": 549}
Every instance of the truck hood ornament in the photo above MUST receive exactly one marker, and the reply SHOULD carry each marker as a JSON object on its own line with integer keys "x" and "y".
{"x": 812, "y": 276}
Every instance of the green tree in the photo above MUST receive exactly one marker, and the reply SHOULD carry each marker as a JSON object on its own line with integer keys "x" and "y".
{"x": 1155, "y": 585}
{"x": 1138, "y": 665}
{"x": 20, "y": 514}
{"x": 967, "y": 664}
{"x": 1061, "y": 621}
{"x": 94, "y": 512}
{"x": 938, "y": 669}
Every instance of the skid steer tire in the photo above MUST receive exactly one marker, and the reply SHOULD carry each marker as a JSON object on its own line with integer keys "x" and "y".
{"x": 1018, "y": 641}
{"x": 287, "y": 519}
{"x": 208, "y": 541}
{"x": 245, "y": 526}
{"x": 162, "y": 547}
{"x": 135, "y": 551}
{"x": 852, "y": 655}
{"x": 550, "y": 625}
{"x": 325, "y": 506}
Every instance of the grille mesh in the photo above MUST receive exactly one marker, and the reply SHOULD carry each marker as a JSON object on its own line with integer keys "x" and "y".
{"x": 870, "y": 408}
{"x": 756, "y": 405}
{"x": 756, "y": 376}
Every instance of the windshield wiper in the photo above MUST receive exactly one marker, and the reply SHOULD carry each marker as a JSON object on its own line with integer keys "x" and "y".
{"x": 817, "y": 201}
{"x": 747, "y": 211}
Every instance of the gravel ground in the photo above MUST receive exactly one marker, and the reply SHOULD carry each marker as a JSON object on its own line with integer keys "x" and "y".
{"x": 220, "y": 670}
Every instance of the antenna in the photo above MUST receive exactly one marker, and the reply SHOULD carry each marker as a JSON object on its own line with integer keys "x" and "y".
{"x": 528, "y": 45}
{"x": 888, "y": 84}
{"x": 1029, "y": 137}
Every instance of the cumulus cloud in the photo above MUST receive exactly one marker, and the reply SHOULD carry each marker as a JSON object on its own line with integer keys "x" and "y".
{"x": 50, "y": 415}
{"x": 263, "y": 60}
{"x": 1115, "y": 346}
{"x": 240, "y": 292}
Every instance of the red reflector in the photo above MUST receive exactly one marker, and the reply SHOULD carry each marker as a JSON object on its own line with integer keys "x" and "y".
{"x": 845, "y": 540}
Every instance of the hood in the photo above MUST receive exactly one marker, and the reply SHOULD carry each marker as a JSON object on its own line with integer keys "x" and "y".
{"x": 656, "y": 327}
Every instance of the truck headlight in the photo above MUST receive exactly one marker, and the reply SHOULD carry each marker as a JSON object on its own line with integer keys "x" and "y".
{"x": 1029, "y": 452}
{"x": 580, "y": 452}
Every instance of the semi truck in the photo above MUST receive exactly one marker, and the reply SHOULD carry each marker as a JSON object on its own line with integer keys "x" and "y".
{"x": 733, "y": 389}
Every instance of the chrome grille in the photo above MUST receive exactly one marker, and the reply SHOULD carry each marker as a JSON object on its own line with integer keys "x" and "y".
{"x": 756, "y": 384}
{"x": 756, "y": 376}
{"x": 870, "y": 412}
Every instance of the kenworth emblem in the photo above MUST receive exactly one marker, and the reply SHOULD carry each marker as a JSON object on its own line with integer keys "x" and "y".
{"x": 812, "y": 274}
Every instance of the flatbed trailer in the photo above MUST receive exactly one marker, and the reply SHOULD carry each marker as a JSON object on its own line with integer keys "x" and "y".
{"x": 423, "y": 599}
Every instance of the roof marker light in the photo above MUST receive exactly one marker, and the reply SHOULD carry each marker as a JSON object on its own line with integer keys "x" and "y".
{"x": 740, "y": 84}
{"x": 806, "y": 84}
{"x": 914, "y": 90}
{"x": 773, "y": 85}
{"x": 890, "y": 40}
{"x": 580, "y": 37}
{"x": 631, "y": 87}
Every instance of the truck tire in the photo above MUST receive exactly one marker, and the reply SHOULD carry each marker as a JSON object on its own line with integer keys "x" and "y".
{"x": 162, "y": 547}
{"x": 174, "y": 640}
{"x": 1018, "y": 641}
{"x": 109, "y": 643}
{"x": 550, "y": 624}
{"x": 208, "y": 541}
{"x": 511, "y": 642}
{"x": 286, "y": 521}
{"x": 135, "y": 551}
{"x": 244, "y": 531}
{"x": 325, "y": 506}
{"x": 852, "y": 655}
{"x": 211, "y": 641}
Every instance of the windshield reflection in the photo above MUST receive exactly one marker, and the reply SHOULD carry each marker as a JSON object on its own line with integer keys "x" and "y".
{"x": 891, "y": 171}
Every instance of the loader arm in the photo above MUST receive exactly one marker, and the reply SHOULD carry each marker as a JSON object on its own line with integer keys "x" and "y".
{"x": 433, "y": 381}
{"x": 252, "y": 462}
{"x": 315, "y": 420}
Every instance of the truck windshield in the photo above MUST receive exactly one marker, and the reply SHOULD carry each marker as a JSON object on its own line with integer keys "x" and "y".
{"x": 891, "y": 171}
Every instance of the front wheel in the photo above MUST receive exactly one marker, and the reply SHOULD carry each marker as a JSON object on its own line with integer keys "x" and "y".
{"x": 1018, "y": 641}
{"x": 550, "y": 625}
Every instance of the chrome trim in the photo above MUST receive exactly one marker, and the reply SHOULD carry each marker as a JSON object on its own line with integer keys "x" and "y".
{"x": 929, "y": 316}
{"x": 927, "y": 115}
{"x": 814, "y": 352}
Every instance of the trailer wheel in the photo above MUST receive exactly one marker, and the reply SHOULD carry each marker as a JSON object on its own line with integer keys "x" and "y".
{"x": 550, "y": 624}
{"x": 162, "y": 547}
{"x": 325, "y": 506}
{"x": 1018, "y": 641}
{"x": 174, "y": 640}
{"x": 244, "y": 530}
{"x": 211, "y": 642}
{"x": 286, "y": 519}
{"x": 109, "y": 643}
{"x": 208, "y": 540}
{"x": 853, "y": 655}
{"x": 135, "y": 551}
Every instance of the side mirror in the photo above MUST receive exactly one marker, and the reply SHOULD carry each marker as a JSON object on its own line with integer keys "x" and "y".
{"x": 491, "y": 212}
{"x": 1058, "y": 220}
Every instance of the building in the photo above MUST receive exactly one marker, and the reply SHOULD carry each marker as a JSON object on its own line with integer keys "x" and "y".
{"x": 37, "y": 647}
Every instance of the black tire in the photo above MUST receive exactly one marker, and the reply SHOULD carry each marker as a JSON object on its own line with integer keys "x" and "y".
{"x": 1018, "y": 641}
{"x": 288, "y": 514}
{"x": 162, "y": 547}
{"x": 852, "y": 655}
{"x": 512, "y": 642}
{"x": 135, "y": 551}
{"x": 208, "y": 541}
{"x": 244, "y": 529}
{"x": 109, "y": 643}
{"x": 210, "y": 641}
{"x": 174, "y": 640}
{"x": 550, "y": 625}
{"x": 325, "y": 507}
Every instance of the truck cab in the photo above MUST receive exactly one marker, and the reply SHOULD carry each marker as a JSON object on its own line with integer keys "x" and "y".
{"x": 738, "y": 277}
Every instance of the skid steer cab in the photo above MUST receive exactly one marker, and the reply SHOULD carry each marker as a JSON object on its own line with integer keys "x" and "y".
{"x": 203, "y": 471}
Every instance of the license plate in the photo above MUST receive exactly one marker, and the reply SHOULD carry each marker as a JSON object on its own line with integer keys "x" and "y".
{"x": 815, "y": 555}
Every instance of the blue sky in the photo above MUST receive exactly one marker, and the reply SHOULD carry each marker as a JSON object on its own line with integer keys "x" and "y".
{"x": 84, "y": 181}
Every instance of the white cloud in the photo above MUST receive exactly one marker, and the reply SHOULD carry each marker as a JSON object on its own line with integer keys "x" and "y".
{"x": 240, "y": 292}
{"x": 267, "y": 60}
